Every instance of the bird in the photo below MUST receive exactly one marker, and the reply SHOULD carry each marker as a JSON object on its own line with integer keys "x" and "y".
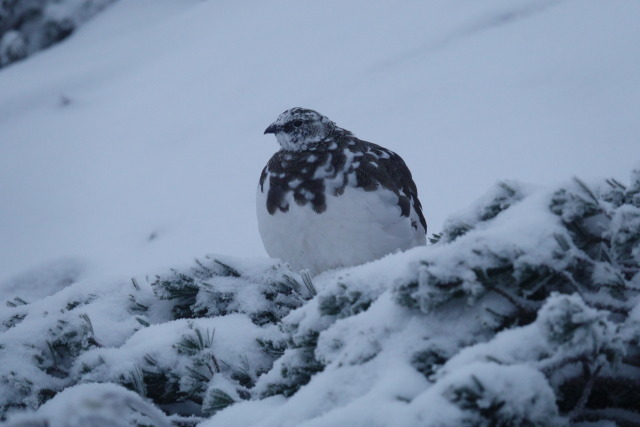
{"x": 327, "y": 199}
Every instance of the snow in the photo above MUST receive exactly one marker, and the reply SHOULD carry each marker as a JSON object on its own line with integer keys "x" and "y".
{"x": 534, "y": 400}
{"x": 545, "y": 339}
{"x": 231, "y": 337}
{"x": 137, "y": 143}
{"x": 93, "y": 405}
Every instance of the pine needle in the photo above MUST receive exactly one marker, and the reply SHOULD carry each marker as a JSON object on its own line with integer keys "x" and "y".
{"x": 306, "y": 279}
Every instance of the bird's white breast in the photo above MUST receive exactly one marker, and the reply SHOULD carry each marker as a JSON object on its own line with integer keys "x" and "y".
{"x": 358, "y": 226}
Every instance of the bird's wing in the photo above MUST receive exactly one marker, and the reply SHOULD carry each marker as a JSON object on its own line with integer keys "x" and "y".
{"x": 380, "y": 166}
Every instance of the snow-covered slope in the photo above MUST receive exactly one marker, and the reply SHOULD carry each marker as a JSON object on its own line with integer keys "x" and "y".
{"x": 137, "y": 143}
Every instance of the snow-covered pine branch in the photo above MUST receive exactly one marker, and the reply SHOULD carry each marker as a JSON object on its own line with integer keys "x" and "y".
{"x": 525, "y": 312}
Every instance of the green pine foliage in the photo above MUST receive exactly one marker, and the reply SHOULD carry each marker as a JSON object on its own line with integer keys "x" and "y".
{"x": 185, "y": 374}
{"x": 595, "y": 256}
{"x": 296, "y": 368}
{"x": 46, "y": 359}
{"x": 215, "y": 288}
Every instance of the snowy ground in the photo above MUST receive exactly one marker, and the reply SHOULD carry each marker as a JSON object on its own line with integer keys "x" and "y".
{"x": 137, "y": 143}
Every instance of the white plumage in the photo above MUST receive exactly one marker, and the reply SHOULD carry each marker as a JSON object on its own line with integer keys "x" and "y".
{"x": 328, "y": 199}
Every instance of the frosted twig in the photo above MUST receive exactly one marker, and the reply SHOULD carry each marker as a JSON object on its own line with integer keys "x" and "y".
{"x": 519, "y": 304}
{"x": 586, "y": 392}
{"x": 548, "y": 366}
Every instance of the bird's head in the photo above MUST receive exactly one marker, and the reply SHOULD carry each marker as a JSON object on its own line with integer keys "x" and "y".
{"x": 300, "y": 129}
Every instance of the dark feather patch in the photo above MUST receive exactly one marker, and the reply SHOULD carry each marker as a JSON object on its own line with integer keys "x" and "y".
{"x": 370, "y": 167}
{"x": 263, "y": 176}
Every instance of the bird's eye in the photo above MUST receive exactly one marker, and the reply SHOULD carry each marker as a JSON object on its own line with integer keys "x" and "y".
{"x": 297, "y": 123}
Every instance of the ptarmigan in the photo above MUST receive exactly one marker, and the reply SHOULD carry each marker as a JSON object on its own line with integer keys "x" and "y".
{"x": 327, "y": 199}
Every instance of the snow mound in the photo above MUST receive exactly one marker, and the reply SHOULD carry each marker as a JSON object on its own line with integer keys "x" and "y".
{"x": 95, "y": 405}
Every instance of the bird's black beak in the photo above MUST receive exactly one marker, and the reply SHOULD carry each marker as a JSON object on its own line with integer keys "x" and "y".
{"x": 273, "y": 128}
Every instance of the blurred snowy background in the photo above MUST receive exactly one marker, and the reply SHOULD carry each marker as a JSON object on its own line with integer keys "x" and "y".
{"x": 136, "y": 143}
